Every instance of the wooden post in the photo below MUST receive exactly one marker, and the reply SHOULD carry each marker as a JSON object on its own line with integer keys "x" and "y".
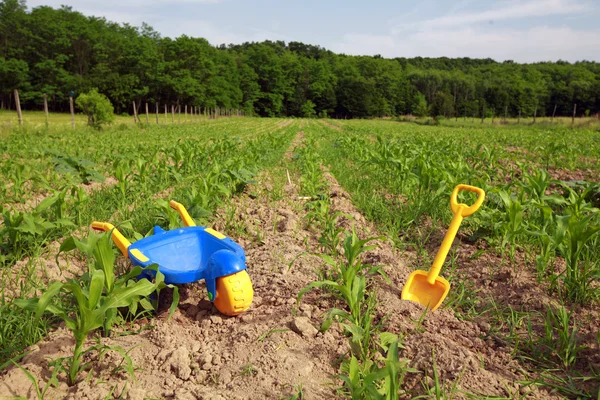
{"x": 483, "y": 114}
{"x": 534, "y": 114}
{"x": 18, "y": 105}
{"x": 185, "y": 116}
{"x": 147, "y": 116}
{"x": 72, "y": 112}
{"x": 574, "y": 112}
{"x": 135, "y": 117}
{"x": 46, "y": 107}
{"x": 519, "y": 120}
{"x": 172, "y": 114}
{"x": 553, "y": 113}
{"x": 505, "y": 113}
{"x": 178, "y": 113}
{"x": 166, "y": 115}
{"x": 156, "y": 113}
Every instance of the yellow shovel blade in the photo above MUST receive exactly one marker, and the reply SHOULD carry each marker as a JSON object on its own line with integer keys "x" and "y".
{"x": 417, "y": 289}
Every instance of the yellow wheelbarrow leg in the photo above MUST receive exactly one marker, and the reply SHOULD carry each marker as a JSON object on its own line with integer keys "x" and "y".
{"x": 122, "y": 243}
{"x": 187, "y": 220}
{"x": 428, "y": 288}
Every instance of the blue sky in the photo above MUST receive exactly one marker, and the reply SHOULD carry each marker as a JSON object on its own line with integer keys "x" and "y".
{"x": 520, "y": 30}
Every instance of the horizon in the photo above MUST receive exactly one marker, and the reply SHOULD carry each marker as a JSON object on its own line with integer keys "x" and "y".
{"x": 555, "y": 30}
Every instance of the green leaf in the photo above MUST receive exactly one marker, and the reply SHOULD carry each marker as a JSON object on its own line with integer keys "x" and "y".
{"x": 46, "y": 298}
{"x": 121, "y": 297}
{"x": 96, "y": 288}
{"x": 105, "y": 259}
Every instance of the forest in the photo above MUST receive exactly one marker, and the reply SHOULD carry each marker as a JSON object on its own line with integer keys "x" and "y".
{"x": 59, "y": 51}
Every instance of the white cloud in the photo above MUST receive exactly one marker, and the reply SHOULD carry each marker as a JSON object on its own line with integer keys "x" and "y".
{"x": 468, "y": 34}
{"x": 215, "y": 34}
{"x": 529, "y": 45}
{"x": 512, "y": 9}
{"x": 85, "y": 4}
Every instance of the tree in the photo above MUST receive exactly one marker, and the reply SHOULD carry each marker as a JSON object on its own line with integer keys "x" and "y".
{"x": 308, "y": 109}
{"x": 97, "y": 107}
{"x": 55, "y": 51}
{"x": 421, "y": 109}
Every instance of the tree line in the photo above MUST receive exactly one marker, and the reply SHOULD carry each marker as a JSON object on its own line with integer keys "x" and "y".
{"x": 60, "y": 51}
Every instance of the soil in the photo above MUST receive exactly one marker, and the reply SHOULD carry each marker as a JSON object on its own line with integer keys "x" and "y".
{"x": 274, "y": 350}
{"x": 330, "y": 125}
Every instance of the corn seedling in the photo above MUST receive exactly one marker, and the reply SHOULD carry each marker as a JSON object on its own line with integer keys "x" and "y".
{"x": 97, "y": 296}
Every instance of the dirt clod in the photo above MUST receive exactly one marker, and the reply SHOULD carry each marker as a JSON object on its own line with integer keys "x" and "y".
{"x": 303, "y": 327}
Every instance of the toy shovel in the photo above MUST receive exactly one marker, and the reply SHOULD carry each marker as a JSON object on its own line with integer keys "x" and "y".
{"x": 428, "y": 288}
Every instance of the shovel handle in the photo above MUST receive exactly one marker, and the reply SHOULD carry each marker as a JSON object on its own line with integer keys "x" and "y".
{"x": 466, "y": 210}
{"x": 460, "y": 211}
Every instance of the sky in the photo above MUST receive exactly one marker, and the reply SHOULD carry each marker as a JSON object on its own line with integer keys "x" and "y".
{"x": 518, "y": 30}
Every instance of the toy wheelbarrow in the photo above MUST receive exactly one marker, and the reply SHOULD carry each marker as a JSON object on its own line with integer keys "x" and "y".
{"x": 428, "y": 288}
{"x": 190, "y": 254}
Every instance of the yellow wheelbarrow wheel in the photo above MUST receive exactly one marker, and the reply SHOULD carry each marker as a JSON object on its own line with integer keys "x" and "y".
{"x": 234, "y": 293}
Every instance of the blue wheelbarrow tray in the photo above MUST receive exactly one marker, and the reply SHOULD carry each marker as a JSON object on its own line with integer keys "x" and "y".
{"x": 189, "y": 254}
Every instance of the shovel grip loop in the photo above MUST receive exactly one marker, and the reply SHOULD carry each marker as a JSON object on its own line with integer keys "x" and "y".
{"x": 466, "y": 210}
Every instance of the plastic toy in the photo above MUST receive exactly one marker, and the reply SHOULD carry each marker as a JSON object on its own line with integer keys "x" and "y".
{"x": 427, "y": 288}
{"x": 190, "y": 254}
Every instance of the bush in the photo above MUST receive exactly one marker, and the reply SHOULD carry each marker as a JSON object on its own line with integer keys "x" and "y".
{"x": 308, "y": 109}
{"x": 97, "y": 107}
{"x": 421, "y": 108}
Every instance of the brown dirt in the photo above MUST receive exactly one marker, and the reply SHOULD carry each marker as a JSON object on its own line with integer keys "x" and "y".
{"x": 284, "y": 123}
{"x": 95, "y": 186}
{"x": 35, "y": 198}
{"x": 514, "y": 285}
{"x": 200, "y": 354}
{"x": 330, "y": 125}
{"x": 574, "y": 175}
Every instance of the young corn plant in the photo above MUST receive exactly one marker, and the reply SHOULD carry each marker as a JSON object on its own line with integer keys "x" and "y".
{"x": 582, "y": 266}
{"x": 97, "y": 296}
{"x": 350, "y": 285}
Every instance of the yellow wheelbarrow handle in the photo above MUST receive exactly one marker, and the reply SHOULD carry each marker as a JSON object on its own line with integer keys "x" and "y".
{"x": 122, "y": 243}
{"x": 464, "y": 209}
{"x": 187, "y": 220}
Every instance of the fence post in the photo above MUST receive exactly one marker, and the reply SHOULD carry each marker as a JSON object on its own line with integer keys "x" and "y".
{"x": 72, "y": 107}
{"x": 135, "y": 117}
{"x": 553, "y": 113}
{"x": 46, "y": 107}
{"x": 185, "y": 116}
{"x": 18, "y": 104}
{"x": 147, "y": 116}
{"x": 178, "y": 113}
{"x": 574, "y": 112}
{"x": 156, "y": 113}
{"x": 172, "y": 113}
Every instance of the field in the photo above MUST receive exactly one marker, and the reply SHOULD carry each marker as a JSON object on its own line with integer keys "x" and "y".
{"x": 333, "y": 216}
